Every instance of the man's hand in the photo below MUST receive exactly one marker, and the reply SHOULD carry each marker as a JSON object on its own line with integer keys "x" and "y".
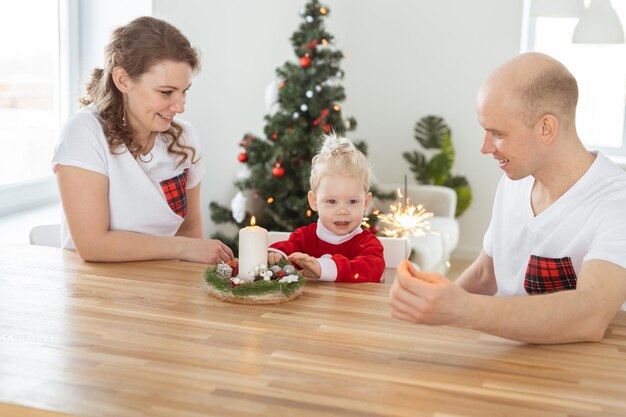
{"x": 426, "y": 297}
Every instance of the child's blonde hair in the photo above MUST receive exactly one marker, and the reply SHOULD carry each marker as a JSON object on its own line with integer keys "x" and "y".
{"x": 339, "y": 156}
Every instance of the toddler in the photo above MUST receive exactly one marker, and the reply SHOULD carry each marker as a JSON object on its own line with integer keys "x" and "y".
{"x": 335, "y": 248}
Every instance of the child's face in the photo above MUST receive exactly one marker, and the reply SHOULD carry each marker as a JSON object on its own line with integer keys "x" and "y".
{"x": 340, "y": 202}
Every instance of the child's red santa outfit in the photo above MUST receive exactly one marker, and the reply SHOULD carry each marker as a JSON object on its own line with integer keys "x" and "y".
{"x": 355, "y": 257}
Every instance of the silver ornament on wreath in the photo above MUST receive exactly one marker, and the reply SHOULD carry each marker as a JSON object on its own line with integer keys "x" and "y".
{"x": 225, "y": 271}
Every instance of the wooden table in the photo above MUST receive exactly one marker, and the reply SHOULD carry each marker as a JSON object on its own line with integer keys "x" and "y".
{"x": 145, "y": 339}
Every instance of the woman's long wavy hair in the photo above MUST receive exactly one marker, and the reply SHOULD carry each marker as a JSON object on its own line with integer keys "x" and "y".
{"x": 136, "y": 47}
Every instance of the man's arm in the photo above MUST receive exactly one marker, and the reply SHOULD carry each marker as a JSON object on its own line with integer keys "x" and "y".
{"x": 479, "y": 277}
{"x": 578, "y": 315}
{"x": 566, "y": 316}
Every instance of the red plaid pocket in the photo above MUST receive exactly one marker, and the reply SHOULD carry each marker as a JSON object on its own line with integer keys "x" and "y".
{"x": 175, "y": 190}
{"x": 545, "y": 275}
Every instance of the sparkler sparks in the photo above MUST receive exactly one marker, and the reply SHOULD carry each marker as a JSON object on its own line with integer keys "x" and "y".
{"x": 405, "y": 219}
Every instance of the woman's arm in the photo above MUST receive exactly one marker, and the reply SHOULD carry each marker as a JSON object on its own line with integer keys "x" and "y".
{"x": 192, "y": 225}
{"x": 84, "y": 196}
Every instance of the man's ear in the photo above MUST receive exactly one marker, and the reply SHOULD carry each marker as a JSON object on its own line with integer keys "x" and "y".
{"x": 312, "y": 200}
{"x": 121, "y": 79}
{"x": 548, "y": 128}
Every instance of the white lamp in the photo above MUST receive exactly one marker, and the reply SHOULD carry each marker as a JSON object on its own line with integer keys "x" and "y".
{"x": 599, "y": 24}
{"x": 557, "y": 8}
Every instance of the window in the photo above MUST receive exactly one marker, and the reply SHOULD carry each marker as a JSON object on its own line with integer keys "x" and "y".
{"x": 34, "y": 97}
{"x": 29, "y": 110}
{"x": 601, "y": 73}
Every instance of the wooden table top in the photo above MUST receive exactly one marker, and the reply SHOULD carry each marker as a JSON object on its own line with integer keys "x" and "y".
{"x": 145, "y": 339}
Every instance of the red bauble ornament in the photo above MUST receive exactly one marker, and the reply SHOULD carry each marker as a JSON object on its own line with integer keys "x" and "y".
{"x": 235, "y": 265}
{"x": 375, "y": 229}
{"x": 305, "y": 62}
{"x": 243, "y": 157}
{"x": 327, "y": 128}
{"x": 278, "y": 171}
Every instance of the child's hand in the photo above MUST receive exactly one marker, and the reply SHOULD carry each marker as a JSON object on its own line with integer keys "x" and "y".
{"x": 310, "y": 266}
{"x": 273, "y": 258}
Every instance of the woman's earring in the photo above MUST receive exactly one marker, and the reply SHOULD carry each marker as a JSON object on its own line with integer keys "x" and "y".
{"x": 124, "y": 121}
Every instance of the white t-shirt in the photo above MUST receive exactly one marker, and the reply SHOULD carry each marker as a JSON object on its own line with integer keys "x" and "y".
{"x": 147, "y": 198}
{"x": 587, "y": 222}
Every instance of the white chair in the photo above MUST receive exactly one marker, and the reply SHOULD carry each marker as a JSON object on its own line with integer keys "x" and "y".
{"x": 431, "y": 251}
{"x": 46, "y": 235}
{"x": 395, "y": 250}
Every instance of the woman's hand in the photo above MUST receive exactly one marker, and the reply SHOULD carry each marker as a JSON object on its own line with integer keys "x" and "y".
{"x": 205, "y": 251}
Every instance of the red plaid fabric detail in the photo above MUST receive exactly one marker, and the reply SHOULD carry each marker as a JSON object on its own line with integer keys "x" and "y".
{"x": 175, "y": 190}
{"x": 544, "y": 275}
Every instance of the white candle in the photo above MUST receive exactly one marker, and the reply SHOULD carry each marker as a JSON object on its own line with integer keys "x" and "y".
{"x": 252, "y": 249}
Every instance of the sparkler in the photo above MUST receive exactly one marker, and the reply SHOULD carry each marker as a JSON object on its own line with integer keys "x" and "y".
{"x": 405, "y": 218}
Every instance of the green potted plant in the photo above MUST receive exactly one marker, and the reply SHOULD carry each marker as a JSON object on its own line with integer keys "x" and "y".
{"x": 435, "y": 137}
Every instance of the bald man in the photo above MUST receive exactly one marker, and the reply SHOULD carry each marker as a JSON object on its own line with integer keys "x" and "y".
{"x": 555, "y": 250}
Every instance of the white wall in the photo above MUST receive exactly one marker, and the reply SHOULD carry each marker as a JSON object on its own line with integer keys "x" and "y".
{"x": 98, "y": 18}
{"x": 404, "y": 59}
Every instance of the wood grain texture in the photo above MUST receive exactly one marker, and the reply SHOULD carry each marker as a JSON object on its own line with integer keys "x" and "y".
{"x": 145, "y": 339}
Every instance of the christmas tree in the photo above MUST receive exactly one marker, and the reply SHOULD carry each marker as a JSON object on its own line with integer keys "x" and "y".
{"x": 304, "y": 105}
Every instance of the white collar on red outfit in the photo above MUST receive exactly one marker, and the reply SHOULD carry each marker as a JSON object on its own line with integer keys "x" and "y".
{"x": 329, "y": 237}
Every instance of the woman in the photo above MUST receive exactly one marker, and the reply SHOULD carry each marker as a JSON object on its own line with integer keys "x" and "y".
{"x": 128, "y": 173}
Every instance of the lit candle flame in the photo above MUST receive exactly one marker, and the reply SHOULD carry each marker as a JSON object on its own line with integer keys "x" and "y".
{"x": 252, "y": 221}
{"x": 405, "y": 219}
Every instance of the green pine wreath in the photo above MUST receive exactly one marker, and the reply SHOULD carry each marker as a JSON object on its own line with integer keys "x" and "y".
{"x": 254, "y": 292}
